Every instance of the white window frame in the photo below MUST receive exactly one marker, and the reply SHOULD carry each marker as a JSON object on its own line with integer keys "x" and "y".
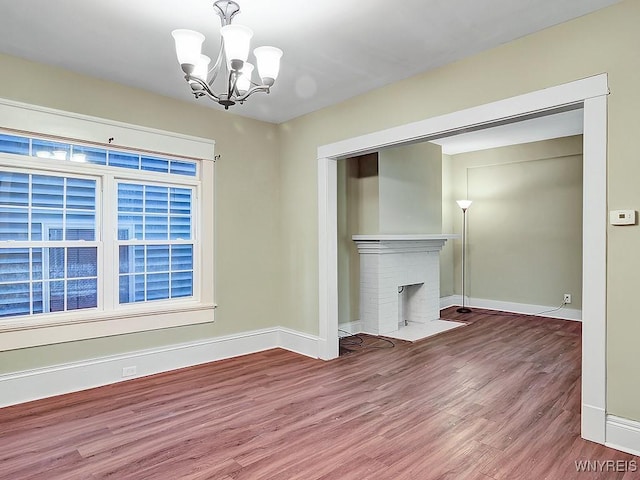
{"x": 110, "y": 318}
{"x": 8, "y": 163}
{"x": 194, "y": 240}
{"x": 66, "y": 244}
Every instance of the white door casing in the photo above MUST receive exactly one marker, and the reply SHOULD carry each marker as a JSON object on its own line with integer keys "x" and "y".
{"x": 590, "y": 93}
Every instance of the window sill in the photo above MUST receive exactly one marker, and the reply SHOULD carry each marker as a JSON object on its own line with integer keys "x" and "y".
{"x": 93, "y": 316}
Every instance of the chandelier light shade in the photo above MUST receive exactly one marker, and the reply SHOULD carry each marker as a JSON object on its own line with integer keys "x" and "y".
{"x": 201, "y": 69}
{"x": 268, "y": 59}
{"x": 188, "y": 46}
{"x": 237, "y": 42}
{"x": 231, "y": 73}
{"x": 244, "y": 81}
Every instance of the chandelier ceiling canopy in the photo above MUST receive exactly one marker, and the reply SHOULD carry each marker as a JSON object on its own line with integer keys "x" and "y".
{"x": 231, "y": 72}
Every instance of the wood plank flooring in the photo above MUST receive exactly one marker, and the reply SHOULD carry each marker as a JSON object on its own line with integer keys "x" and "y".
{"x": 496, "y": 399}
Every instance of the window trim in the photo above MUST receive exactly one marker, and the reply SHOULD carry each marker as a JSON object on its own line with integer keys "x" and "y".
{"x": 108, "y": 305}
{"x": 41, "y": 329}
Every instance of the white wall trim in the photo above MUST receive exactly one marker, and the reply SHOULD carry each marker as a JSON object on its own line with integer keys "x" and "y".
{"x": 525, "y": 308}
{"x": 351, "y": 327}
{"x": 46, "y": 382}
{"x": 541, "y": 100}
{"x": 623, "y": 434}
{"x": 591, "y": 93}
{"x": 72, "y": 125}
{"x": 328, "y": 257}
{"x": 594, "y": 265}
{"x": 109, "y": 318}
{"x": 497, "y": 305}
{"x": 450, "y": 301}
{"x": 298, "y": 342}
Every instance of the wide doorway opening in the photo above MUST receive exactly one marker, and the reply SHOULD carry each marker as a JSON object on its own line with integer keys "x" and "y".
{"x": 589, "y": 94}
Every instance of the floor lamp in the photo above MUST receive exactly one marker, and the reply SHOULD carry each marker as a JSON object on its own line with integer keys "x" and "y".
{"x": 464, "y": 205}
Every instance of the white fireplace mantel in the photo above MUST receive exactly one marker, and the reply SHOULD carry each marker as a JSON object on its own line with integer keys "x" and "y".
{"x": 381, "y": 244}
{"x": 388, "y": 263}
{"x": 406, "y": 237}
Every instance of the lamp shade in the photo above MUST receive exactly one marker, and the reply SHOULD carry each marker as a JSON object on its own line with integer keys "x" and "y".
{"x": 201, "y": 69}
{"x": 237, "y": 39}
{"x": 464, "y": 204}
{"x": 268, "y": 60}
{"x": 244, "y": 80}
{"x": 188, "y": 46}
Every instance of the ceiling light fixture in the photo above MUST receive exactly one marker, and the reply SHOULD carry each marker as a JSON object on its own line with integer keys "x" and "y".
{"x": 231, "y": 63}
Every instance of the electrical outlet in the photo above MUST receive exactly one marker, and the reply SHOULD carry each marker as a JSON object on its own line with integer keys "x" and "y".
{"x": 129, "y": 371}
{"x": 567, "y": 298}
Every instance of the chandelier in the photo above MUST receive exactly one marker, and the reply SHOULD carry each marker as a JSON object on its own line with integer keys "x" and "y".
{"x": 231, "y": 65}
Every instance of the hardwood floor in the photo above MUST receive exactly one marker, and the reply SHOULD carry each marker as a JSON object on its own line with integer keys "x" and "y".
{"x": 496, "y": 399}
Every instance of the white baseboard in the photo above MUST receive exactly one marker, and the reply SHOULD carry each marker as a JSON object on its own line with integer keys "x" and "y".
{"x": 450, "y": 301}
{"x": 351, "y": 327}
{"x": 592, "y": 423}
{"x": 623, "y": 434}
{"x": 298, "y": 342}
{"x": 40, "y": 383}
{"x": 563, "y": 313}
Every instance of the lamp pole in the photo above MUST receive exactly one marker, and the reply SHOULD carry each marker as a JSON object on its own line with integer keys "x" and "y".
{"x": 464, "y": 205}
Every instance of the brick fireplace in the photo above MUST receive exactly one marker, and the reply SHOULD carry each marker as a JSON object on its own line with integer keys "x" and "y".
{"x": 399, "y": 280}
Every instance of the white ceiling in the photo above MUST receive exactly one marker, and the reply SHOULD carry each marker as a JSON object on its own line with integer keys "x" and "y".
{"x": 333, "y": 50}
{"x": 559, "y": 125}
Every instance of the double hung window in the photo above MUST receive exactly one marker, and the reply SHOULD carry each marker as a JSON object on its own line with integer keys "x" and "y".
{"x": 84, "y": 227}
{"x": 155, "y": 242}
{"x": 52, "y": 221}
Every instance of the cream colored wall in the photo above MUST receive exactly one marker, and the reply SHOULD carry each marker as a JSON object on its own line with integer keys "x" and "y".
{"x": 344, "y": 245}
{"x": 605, "y": 41}
{"x": 397, "y": 190}
{"x": 448, "y": 219}
{"x": 363, "y": 195}
{"x": 257, "y": 193}
{"x": 358, "y": 199}
{"x": 525, "y": 222}
{"x": 411, "y": 189}
{"x": 247, "y": 204}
